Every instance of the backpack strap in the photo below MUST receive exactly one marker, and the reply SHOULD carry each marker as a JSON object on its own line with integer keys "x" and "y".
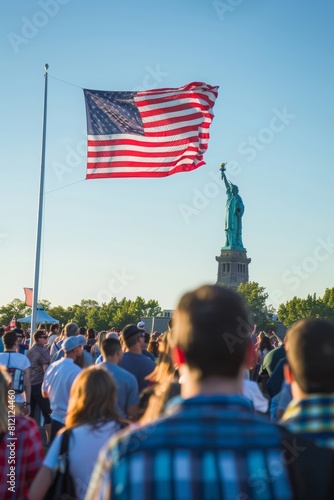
{"x": 64, "y": 442}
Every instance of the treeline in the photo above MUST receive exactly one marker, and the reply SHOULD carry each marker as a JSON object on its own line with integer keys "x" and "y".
{"x": 311, "y": 307}
{"x": 88, "y": 313}
{"x": 119, "y": 313}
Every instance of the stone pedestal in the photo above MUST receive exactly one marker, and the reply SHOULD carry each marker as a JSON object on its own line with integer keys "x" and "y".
{"x": 232, "y": 268}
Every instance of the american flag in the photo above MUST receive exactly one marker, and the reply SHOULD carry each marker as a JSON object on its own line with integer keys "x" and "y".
{"x": 153, "y": 133}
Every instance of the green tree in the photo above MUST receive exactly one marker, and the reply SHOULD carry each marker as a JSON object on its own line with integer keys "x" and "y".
{"x": 328, "y": 301}
{"x": 46, "y": 304}
{"x": 311, "y": 307}
{"x": 94, "y": 320}
{"x": 107, "y": 312}
{"x": 15, "y": 308}
{"x": 255, "y": 297}
{"x": 62, "y": 315}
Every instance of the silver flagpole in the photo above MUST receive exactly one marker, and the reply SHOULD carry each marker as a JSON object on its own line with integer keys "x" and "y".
{"x": 40, "y": 215}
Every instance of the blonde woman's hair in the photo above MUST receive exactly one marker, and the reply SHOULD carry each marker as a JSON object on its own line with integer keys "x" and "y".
{"x": 92, "y": 398}
{"x": 5, "y": 382}
{"x": 165, "y": 370}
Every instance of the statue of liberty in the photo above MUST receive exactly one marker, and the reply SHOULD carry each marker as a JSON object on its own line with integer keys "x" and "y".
{"x": 234, "y": 212}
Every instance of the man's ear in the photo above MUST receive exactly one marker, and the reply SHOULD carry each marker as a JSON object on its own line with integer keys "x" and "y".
{"x": 250, "y": 358}
{"x": 288, "y": 374}
{"x": 178, "y": 356}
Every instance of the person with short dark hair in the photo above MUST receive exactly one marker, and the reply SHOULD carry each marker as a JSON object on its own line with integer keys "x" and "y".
{"x": 134, "y": 360}
{"x": 39, "y": 358}
{"x": 127, "y": 396}
{"x": 210, "y": 444}
{"x": 19, "y": 365}
{"x": 310, "y": 371}
{"x": 23, "y": 345}
{"x": 82, "y": 331}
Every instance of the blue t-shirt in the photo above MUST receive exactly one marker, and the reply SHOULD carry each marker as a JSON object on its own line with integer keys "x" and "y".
{"x": 148, "y": 354}
{"x": 139, "y": 365}
{"x": 145, "y": 352}
{"x": 1, "y": 345}
{"x": 126, "y": 386}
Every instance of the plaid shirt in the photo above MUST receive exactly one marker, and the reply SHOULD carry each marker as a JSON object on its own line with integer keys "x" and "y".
{"x": 312, "y": 418}
{"x": 209, "y": 448}
{"x": 28, "y": 455}
{"x": 38, "y": 356}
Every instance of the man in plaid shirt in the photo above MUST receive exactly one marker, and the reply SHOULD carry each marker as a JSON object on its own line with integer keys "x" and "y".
{"x": 310, "y": 371}
{"x": 211, "y": 445}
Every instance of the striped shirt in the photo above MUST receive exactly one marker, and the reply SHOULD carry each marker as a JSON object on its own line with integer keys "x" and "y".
{"x": 312, "y": 418}
{"x": 208, "y": 448}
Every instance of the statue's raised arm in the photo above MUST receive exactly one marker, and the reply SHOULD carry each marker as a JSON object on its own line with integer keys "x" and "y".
{"x": 222, "y": 170}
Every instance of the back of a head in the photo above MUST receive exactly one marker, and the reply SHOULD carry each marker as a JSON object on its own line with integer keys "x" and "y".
{"x": 212, "y": 327}
{"x": 38, "y": 334}
{"x": 90, "y": 333}
{"x": 110, "y": 347}
{"x": 310, "y": 353}
{"x": 130, "y": 335}
{"x": 9, "y": 339}
{"x": 71, "y": 329}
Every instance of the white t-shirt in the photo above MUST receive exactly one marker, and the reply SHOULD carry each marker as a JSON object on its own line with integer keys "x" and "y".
{"x": 58, "y": 380}
{"x": 52, "y": 338}
{"x": 251, "y": 390}
{"x": 84, "y": 447}
{"x": 15, "y": 360}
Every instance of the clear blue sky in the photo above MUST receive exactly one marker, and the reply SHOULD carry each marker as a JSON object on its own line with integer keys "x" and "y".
{"x": 129, "y": 237}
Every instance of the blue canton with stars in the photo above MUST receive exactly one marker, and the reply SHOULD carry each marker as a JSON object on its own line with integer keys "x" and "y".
{"x": 112, "y": 113}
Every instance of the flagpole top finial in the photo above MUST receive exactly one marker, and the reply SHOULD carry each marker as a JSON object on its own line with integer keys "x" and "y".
{"x": 46, "y": 67}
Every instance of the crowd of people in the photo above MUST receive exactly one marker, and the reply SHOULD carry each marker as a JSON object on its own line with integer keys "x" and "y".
{"x": 210, "y": 409}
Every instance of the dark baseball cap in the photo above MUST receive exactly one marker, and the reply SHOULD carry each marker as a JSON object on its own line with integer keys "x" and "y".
{"x": 310, "y": 353}
{"x": 131, "y": 330}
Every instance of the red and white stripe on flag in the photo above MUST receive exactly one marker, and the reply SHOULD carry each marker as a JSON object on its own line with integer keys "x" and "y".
{"x": 175, "y": 124}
